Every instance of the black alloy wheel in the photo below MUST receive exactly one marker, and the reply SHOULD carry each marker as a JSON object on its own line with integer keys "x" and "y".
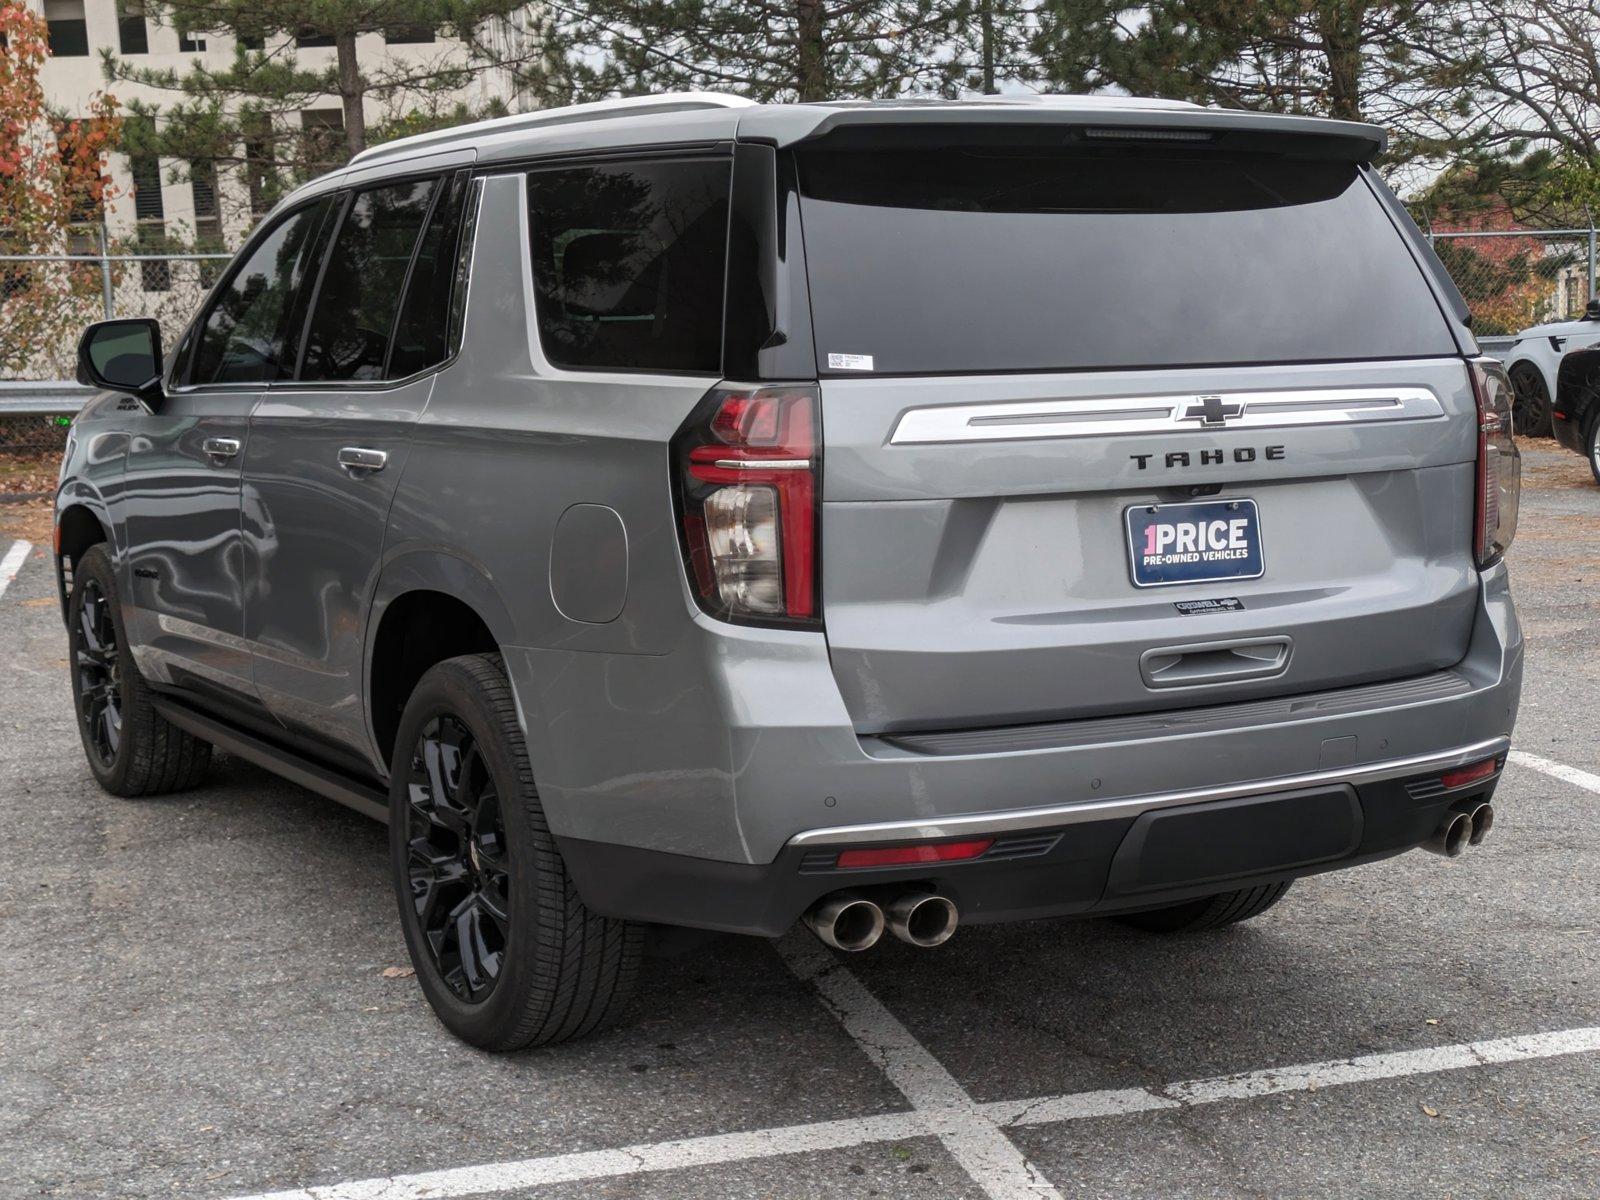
{"x": 504, "y": 948}
{"x": 458, "y": 865}
{"x": 1530, "y": 402}
{"x": 132, "y": 750}
{"x": 96, "y": 662}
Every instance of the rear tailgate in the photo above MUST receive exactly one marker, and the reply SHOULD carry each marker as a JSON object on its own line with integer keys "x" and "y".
{"x": 978, "y": 581}
{"x": 1032, "y": 347}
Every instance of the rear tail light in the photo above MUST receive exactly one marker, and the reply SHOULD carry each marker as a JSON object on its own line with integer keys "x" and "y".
{"x": 746, "y": 464}
{"x": 1499, "y": 463}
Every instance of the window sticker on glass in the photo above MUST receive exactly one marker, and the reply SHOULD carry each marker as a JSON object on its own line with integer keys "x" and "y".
{"x": 849, "y": 362}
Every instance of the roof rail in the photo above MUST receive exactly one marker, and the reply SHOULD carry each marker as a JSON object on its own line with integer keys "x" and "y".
{"x": 599, "y": 110}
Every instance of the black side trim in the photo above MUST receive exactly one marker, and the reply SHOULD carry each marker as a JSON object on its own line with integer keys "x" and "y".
{"x": 354, "y": 793}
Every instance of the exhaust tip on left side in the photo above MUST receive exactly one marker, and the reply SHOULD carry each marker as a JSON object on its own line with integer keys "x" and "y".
{"x": 846, "y": 922}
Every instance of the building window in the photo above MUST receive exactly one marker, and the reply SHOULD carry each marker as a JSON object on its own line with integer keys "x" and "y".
{"x": 252, "y": 41}
{"x": 207, "y": 217}
{"x": 309, "y": 39}
{"x": 132, "y": 35}
{"x": 150, "y": 215}
{"x": 189, "y": 44}
{"x": 69, "y": 32}
{"x": 408, "y": 35}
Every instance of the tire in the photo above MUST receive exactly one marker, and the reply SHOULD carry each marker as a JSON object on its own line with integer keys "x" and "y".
{"x": 1208, "y": 912}
{"x": 132, "y": 749}
{"x": 1530, "y": 406}
{"x": 1594, "y": 448}
{"x": 472, "y": 854}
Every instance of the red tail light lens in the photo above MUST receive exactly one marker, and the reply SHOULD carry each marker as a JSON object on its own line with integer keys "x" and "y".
{"x": 1499, "y": 463}
{"x": 1465, "y": 775}
{"x": 747, "y": 486}
{"x": 901, "y": 856}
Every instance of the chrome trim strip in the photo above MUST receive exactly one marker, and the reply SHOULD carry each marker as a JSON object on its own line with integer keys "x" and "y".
{"x": 764, "y": 464}
{"x": 1101, "y": 416}
{"x": 1131, "y": 806}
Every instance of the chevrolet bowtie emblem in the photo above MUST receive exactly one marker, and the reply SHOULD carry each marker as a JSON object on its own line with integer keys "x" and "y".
{"x": 1212, "y": 410}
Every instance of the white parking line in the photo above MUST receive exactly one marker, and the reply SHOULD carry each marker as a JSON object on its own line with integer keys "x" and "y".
{"x": 1556, "y": 770}
{"x": 887, "y": 1049}
{"x": 971, "y": 1137}
{"x": 12, "y": 563}
{"x": 608, "y": 1164}
{"x": 1309, "y": 1077}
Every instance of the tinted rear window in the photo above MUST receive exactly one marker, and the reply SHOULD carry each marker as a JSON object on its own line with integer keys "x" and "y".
{"x": 628, "y": 264}
{"x": 996, "y": 258}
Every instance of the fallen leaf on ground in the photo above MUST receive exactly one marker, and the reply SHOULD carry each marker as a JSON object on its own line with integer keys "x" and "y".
{"x": 398, "y": 972}
{"x": 1432, "y": 1112}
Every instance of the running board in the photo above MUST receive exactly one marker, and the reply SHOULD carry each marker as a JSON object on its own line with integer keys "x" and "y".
{"x": 352, "y": 793}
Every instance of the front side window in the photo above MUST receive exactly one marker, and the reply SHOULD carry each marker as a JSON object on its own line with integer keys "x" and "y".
{"x": 245, "y": 337}
{"x": 353, "y": 319}
{"x": 628, "y": 264}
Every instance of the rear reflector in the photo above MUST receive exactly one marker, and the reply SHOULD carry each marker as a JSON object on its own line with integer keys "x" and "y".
{"x": 1462, "y": 776}
{"x": 900, "y": 856}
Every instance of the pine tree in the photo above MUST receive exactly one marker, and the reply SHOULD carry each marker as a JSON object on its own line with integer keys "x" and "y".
{"x": 248, "y": 113}
{"x": 764, "y": 49}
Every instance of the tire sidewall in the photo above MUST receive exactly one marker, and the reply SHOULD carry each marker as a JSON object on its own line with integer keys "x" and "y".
{"x": 95, "y": 566}
{"x": 448, "y": 690}
{"x": 1592, "y": 447}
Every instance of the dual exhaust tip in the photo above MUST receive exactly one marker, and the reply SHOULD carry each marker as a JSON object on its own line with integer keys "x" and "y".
{"x": 1465, "y": 825}
{"x": 852, "y": 922}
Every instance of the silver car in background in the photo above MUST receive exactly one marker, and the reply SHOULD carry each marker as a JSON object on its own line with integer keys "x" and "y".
{"x": 678, "y": 512}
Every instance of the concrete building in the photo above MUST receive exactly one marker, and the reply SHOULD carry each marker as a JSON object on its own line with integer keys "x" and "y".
{"x": 159, "y": 204}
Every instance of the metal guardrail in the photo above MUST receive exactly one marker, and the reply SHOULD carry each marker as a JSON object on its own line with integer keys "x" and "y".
{"x": 45, "y": 398}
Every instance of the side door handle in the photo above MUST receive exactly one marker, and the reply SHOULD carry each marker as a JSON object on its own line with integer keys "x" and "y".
{"x": 358, "y": 460}
{"x": 221, "y": 449}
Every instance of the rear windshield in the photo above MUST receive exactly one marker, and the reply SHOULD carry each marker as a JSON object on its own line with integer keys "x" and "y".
{"x": 997, "y": 258}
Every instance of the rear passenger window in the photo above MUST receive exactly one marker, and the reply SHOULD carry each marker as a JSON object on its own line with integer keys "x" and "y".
{"x": 354, "y": 314}
{"x": 245, "y": 336}
{"x": 628, "y": 264}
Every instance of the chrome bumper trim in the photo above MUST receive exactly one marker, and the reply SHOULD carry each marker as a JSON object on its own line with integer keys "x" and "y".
{"x": 1016, "y": 820}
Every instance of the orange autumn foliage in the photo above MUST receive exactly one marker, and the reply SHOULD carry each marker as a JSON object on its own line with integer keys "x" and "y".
{"x": 52, "y": 177}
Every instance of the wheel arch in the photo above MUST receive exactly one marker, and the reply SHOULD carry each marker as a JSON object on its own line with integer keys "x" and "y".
{"x": 429, "y": 607}
{"x": 79, "y": 526}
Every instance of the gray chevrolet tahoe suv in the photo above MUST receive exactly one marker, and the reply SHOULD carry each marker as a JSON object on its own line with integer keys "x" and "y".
{"x": 678, "y": 512}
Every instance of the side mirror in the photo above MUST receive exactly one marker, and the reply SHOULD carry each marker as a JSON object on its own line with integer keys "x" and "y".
{"x": 1591, "y": 310}
{"x": 122, "y": 356}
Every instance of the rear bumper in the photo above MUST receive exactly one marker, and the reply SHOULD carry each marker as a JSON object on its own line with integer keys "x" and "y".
{"x": 1114, "y": 859}
{"x": 723, "y": 764}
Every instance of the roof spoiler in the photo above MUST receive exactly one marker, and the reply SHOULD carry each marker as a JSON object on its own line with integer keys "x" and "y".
{"x": 1303, "y": 137}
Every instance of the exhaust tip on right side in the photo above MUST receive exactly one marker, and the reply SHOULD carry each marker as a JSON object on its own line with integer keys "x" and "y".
{"x": 1482, "y": 818}
{"x": 923, "y": 919}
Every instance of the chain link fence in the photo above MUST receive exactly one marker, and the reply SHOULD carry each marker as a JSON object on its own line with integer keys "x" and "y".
{"x": 1512, "y": 280}
{"x": 47, "y": 299}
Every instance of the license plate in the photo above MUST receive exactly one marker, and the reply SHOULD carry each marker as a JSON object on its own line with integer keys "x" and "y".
{"x": 1200, "y": 542}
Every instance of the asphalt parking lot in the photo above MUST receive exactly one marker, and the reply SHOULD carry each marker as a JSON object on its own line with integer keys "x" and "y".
{"x": 194, "y": 1002}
